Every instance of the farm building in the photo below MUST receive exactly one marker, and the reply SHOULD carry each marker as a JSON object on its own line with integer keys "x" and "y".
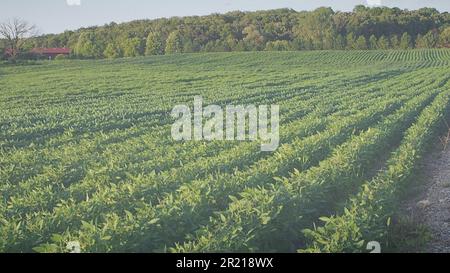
{"x": 51, "y": 53}
{"x": 47, "y": 53}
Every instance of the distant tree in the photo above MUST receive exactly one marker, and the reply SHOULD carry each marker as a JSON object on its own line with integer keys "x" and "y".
{"x": 253, "y": 39}
{"x": 86, "y": 46}
{"x": 329, "y": 40}
{"x": 431, "y": 39}
{"x": 420, "y": 43}
{"x": 351, "y": 41}
{"x": 240, "y": 46}
{"x": 361, "y": 43}
{"x": 155, "y": 44}
{"x": 54, "y": 41}
{"x": 383, "y": 43}
{"x": 315, "y": 29}
{"x": 373, "y": 42}
{"x": 112, "y": 51}
{"x": 174, "y": 43}
{"x": 189, "y": 47}
{"x": 278, "y": 46}
{"x": 304, "y": 44}
{"x": 444, "y": 38}
{"x": 132, "y": 47}
{"x": 238, "y": 31}
{"x": 214, "y": 46}
{"x": 297, "y": 44}
{"x": 394, "y": 42}
{"x": 230, "y": 43}
{"x": 339, "y": 42}
{"x": 406, "y": 41}
{"x": 15, "y": 33}
{"x": 360, "y": 9}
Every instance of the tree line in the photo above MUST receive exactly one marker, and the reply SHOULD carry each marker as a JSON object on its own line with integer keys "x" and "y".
{"x": 280, "y": 30}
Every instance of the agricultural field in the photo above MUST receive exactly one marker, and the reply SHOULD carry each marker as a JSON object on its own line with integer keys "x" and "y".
{"x": 86, "y": 152}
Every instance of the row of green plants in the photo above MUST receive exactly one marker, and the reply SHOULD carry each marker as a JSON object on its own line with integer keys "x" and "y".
{"x": 368, "y": 215}
{"x": 195, "y": 168}
{"x": 18, "y": 203}
{"x": 291, "y": 202}
{"x": 86, "y": 153}
{"x": 176, "y": 209}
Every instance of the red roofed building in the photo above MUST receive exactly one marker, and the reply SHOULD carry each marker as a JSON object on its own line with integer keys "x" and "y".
{"x": 51, "y": 53}
{"x": 48, "y": 53}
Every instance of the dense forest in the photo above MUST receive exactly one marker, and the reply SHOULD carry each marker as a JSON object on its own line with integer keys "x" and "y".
{"x": 283, "y": 29}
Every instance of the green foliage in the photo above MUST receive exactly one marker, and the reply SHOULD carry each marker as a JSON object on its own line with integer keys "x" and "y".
{"x": 92, "y": 160}
{"x": 320, "y": 29}
{"x": 298, "y": 199}
{"x": 317, "y": 28}
{"x": 419, "y": 43}
{"x": 405, "y": 41}
{"x": 60, "y": 57}
{"x": 112, "y": 52}
{"x": 395, "y": 42}
{"x": 87, "y": 46}
{"x": 361, "y": 43}
{"x": 431, "y": 39}
{"x": 383, "y": 43}
{"x": 426, "y": 41}
{"x": 368, "y": 216}
{"x": 351, "y": 41}
{"x": 155, "y": 44}
{"x": 211, "y": 46}
{"x": 132, "y": 47}
{"x": 174, "y": 43}
{"x": 278, "y": 46}
{"x": 253, "y": 38}
{"x": 444, "y": 38}
{"x": 339, "y": 42}
{"x": 373, "y": 42}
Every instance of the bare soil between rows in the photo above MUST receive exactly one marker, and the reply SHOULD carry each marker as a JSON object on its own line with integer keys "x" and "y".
{"x": 430, "y": 205}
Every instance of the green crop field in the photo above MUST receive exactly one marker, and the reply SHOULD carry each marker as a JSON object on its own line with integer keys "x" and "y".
{"x": 86, "y": 152}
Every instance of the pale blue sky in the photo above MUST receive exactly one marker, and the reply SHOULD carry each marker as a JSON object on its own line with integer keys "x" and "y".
{"x": 52, "y": 16}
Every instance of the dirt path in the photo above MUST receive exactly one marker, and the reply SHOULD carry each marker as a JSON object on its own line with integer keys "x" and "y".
{"x": 431, "y": 206}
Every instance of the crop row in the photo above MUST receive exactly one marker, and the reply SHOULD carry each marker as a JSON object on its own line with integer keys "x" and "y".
{"x": 293, "y": 202}
{"x": 368, "y": 215}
